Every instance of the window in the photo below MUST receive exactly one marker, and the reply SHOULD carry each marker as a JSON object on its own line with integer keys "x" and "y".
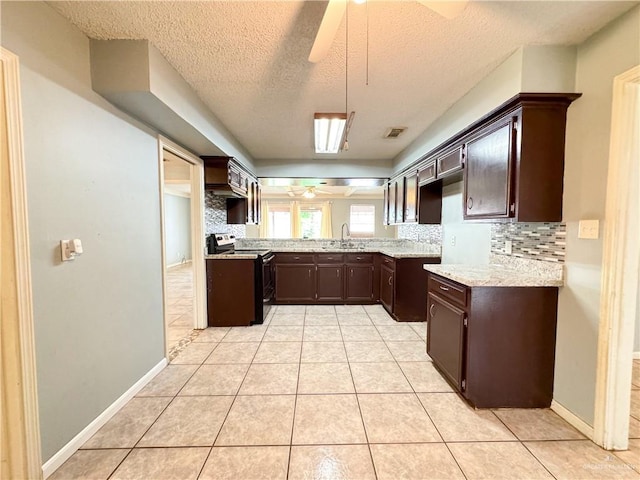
{"x": 279, "y": 221}
{"x": 297, "y": 220}
{"x": 310, "y": 221}
{"x": 362, "y": 220}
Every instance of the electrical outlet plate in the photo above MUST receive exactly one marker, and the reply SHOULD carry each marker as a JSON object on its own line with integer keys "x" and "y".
{"x": 588, "y": 229}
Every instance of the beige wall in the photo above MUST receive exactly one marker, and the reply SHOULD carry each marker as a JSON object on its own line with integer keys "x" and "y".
{"x": 92, "y": 173}
{"x": 606, "y": 54}
{"x": 462, "y": 242}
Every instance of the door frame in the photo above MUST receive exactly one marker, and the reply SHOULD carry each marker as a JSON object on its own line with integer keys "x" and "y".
{"x": 197, "y": 230}
{"x": 619, "y": 292}
{"x": 22, "y": 393}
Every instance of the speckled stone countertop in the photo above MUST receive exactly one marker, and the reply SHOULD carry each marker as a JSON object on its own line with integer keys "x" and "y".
{"x": 389, "y": 251}
{"x": 503, "y": 271}
{"x": 234, "y": 256}
{"x": 396, "y": 248}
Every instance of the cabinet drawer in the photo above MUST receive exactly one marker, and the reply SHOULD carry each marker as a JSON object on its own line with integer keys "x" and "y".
{"x": 294, "y": 258}
{"x": 330, "y": 258}
{"x": 359, "y": 258}
{"x": 388, "y": 261}
{"x": 453, "y": 291}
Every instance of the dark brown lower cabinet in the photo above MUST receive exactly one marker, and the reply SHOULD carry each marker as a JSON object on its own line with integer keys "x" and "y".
{"x": 295, "y": 283}
{"x": 403, "y": 287}
{"x": 386, "y": 287}
{"x": 230, "y": 292}
{"x": 447, "y": 327}
{"x": 359, "y": 283}
{"x": 330, "y": 283}
{"x": 495, "y": 345}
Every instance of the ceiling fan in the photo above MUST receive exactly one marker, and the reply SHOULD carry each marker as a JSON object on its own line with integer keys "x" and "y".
{"x": 336, "y": 9}
{"x": 308, "y": 192}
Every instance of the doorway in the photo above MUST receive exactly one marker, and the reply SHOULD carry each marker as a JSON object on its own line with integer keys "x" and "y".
{"x": 182, "y": 200}
{"x": 619, "y": 294}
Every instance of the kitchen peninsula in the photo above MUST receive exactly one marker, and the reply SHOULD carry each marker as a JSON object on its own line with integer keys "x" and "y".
{"x": 492, "y": 329}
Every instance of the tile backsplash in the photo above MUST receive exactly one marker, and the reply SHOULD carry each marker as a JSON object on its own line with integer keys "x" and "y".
{"x": 431, "y": 234}
{"x": 539, "y": 241}
{"x": 215, "y": 216}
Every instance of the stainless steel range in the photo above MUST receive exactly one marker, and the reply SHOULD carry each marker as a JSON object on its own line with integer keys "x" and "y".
{"x": 228, "y": 272}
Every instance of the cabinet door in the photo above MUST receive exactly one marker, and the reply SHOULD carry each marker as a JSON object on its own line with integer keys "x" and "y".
{"x": 385, "y": 205}
{"x": 251, "y": 201}
{"x": 386, "y": 287}
{"x": 446, "y": 338}
{"x": 330, "y": 282}
{"x": 359, "y": 282}
{"x": 391, "y": 199}
{"x": 399, "y": 182}
{"x": 295, "y": 283}
{"x": 488, "y": 182}
{"x": 411, "y": 197}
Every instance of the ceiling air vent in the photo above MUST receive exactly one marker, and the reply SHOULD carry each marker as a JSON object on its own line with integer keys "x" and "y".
{"x": 394, "y": 132}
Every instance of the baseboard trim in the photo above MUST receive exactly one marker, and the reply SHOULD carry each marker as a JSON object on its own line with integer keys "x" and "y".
{"x": 571, "y": 418}
{"x": 636, "y": 355}
{"x": 76, "y": 442}
{"x": 186, "y": 262}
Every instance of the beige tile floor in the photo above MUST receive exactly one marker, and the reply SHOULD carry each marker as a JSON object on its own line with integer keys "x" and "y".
{"x": 179, "y": 315}
{"x": 328, "y": 393}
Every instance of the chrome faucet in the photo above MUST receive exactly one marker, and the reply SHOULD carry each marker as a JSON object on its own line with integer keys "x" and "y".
{"x": 342, "y": 240}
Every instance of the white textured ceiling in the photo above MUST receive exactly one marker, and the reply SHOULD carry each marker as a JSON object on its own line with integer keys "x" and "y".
{"x": 248, "y": 60}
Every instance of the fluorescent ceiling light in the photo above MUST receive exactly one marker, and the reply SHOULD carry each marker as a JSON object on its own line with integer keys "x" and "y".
{"x": 329, "y": 131}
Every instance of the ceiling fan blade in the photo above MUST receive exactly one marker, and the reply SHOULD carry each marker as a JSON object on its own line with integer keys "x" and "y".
{"x": 448, "y": 10}
{"x": 328, "y": 29}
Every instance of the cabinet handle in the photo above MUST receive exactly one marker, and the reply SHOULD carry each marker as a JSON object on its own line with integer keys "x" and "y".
{"x": 390, "y": 280}
{"x": 309, "y": 273}
{"x": 337, "y": 273}
{"x": 431, "y": 312}
{"x": 469, "y": 203}
{"x": 442, "y": 287}
{"x": 296, "y": 258}
{"x": 358, "y": 258}
{"x": 352, "y": 273}
{"x": 329, "y": 258}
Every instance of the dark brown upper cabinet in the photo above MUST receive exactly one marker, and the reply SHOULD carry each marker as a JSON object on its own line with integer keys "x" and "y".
{"x": 515, "y": 160}
{"x": 411, "y": 196}
{"x": 488, "y": 185}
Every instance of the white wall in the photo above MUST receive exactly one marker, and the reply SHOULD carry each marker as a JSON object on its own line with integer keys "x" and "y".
{"x": 92, "y": 173}
{"x": 177, "y": 228}
{"x": 536, "y": 68}
{"x": 610, "y": 52}
{"x": 462, "y": 242}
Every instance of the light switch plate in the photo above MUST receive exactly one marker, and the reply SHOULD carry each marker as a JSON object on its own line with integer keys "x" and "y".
{"x": 588, "y": 229}
{"x": 508, "y": 247}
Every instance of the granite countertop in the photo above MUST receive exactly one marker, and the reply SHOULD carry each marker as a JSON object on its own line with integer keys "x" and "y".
{"x": 503, "y": 273}
{"x": 234, "y": 256}
{"x": 389, "y": 251}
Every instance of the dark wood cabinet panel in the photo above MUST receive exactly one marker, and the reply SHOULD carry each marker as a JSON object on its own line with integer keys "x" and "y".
{"x": 430, "y": 203}
{"x": 330, "y": 283}
{"x": 230, "y": 292}
{"x": 359, "y": 283}
{"x": 410, "y": 297}
{"x": 508, "y": 343}
{"x": 488, "y": 192}
{"x": 295, "y": 283}
{"x": 411, "y": 197}
{"x": 450, "y": 162}
{"x": 391, "y": 199}
{"x": 385, "y": 205}
{"x": 446, "y": 338}
{"x": 386, "y": 287}
{"x": 399, "y": 208}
